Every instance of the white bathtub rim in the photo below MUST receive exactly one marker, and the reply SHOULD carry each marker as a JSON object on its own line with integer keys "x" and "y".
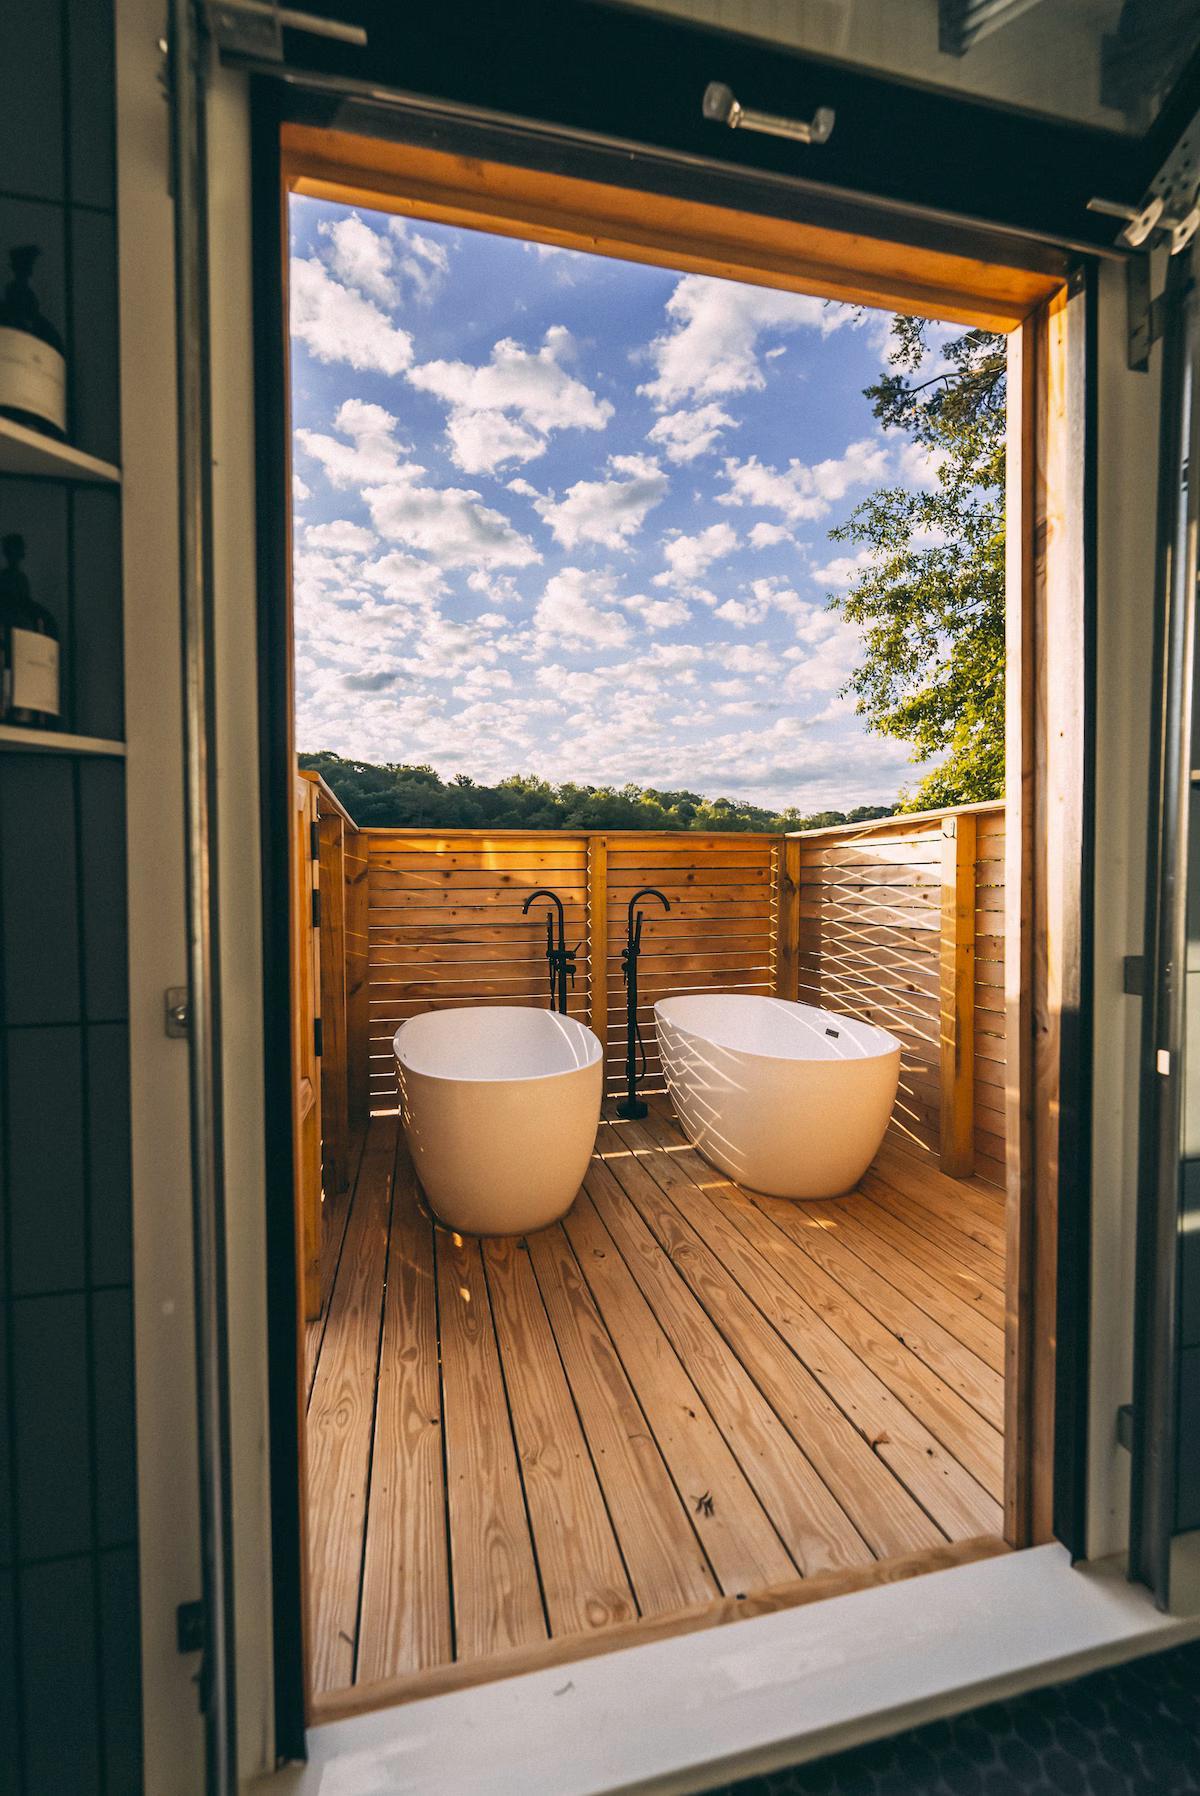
{"x": 894, "y": 1046}
{"x": 592, "y": 1042}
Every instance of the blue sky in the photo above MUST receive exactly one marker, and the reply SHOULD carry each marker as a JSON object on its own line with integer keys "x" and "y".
{"x": 564, "y": 515}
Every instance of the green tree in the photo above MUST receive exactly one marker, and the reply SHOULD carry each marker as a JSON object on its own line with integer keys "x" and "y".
{"x": 929, "y": 600}
{"x": 401, "y": 796}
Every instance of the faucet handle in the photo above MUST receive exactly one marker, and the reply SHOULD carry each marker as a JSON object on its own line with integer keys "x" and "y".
{"x": 569, "y": 957}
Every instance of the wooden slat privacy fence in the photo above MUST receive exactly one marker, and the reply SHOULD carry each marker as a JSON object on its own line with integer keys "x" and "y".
{"x": 447, "y": 927}
{"x": 901, "y": 922}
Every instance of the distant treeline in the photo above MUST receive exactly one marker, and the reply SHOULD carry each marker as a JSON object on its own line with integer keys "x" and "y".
{"x": 397, "y": 796}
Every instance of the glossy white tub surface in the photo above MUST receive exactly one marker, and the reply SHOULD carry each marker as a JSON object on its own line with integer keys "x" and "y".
{"x": 500, "y": 1107}
{"x": 783, "y": 1097}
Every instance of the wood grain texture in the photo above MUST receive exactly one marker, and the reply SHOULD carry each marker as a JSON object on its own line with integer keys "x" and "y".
{"x": 654, "y": 1416}
{"x": 497, "y": 1602}
{"x": 340, "y": 1419}
{"x": 579, "y": 1562}
{"x": 405, "y": 1619}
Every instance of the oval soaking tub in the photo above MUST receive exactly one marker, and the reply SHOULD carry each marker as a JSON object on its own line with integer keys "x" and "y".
{"x": 785, "y": 1098}
{"x": 500, "y": 1106}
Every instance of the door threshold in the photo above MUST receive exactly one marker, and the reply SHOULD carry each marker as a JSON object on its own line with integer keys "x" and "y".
{"x": 439, "y": 1680}
{"x": 681, "y": 1715}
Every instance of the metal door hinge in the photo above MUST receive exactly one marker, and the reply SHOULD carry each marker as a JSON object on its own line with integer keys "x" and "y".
{"x": 318, "y": 1037}
{"x": 1144, "y": 316}
{"x": 177, "y": 1019}
{"x": 1133, "y": 975}
{"x": 1125, "y": 1427}
{"x": 314, "y": 841}
{"x": 255, "y": 28}
{"x": 316, "y": 907}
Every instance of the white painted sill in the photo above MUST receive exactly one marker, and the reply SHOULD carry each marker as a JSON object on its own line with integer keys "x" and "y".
{"x": 681, "y": 1715}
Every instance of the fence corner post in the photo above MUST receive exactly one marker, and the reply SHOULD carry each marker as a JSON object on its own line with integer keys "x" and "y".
{"x": 957, "y": 996}
{"x": 597, "y": 936}
{"x": 787, "y": 918}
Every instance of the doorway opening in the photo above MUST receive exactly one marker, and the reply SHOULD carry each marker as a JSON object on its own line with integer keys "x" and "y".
{"x": 688, "y": 1401}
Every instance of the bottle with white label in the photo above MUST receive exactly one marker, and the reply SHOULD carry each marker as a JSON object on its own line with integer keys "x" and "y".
{"x": 29, "y": 654}
{"x": 33, "y": 368}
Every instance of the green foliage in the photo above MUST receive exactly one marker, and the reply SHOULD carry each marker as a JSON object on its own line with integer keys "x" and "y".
{"x": 930, "y": 601}
{"x": 397, "y": 796}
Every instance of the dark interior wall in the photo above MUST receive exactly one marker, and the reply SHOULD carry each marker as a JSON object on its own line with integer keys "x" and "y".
{"x": 70, "y": 1714}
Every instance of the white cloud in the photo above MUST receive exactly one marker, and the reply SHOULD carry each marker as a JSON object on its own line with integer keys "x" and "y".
{"x": 658, "y": 614}
{"x": 450, "y": 523}
{"x": 765, "y": 536}
{"x": 687, "y": 557}
{"x": 800, "y": 490}
{"x": 300, "y": 489}
{"x": 424, "y": 261}
{"x": 337, "y": 324}
{"x": 843, "y": 570}
{"x": 687, "y": 434}
{"x": 919, "y": 466}
{"x": 576, "y": 608}
{"x": 360, "y": 256}
{"x": 340, "y": 536}
{"x": 606, "y": 511}
{"x": 372, "y": 453}
{"x": 710, "y": 345}
{"x": 507, "y": 409}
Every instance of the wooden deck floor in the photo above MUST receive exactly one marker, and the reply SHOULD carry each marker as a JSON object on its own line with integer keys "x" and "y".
{"x": 682, "y": 1396}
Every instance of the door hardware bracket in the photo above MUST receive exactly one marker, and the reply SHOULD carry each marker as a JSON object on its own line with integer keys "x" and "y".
{"x": 177, "y": 1015}
{"x": 1133, "y": 975}
{"x": 1125, "y": 1427}
{"x": 721, "y": 108}
{"x": 255, "y": 28}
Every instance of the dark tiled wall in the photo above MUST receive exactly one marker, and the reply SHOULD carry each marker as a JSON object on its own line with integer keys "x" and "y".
{"x": 70, "y": 1716}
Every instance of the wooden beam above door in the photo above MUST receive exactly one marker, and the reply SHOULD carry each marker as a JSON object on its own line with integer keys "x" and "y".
{"x": 609, "y": 220}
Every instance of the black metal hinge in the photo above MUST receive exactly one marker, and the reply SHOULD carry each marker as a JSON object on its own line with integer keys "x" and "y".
{"x": 317, "y": 1036}
{"x": 189, "y": 1627}
{"x": 1133, "y": 976}
{"x": 316, "y": 907}
{"x": 1125, "y": 1426}
{"x": 314, "y": 840}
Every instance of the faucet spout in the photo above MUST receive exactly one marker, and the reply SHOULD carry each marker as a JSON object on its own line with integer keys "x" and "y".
{"x": 559, "y": 959}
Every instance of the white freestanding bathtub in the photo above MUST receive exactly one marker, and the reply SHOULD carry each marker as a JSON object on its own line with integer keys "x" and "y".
{"x": 500, "y": 1106}
{"x": 785, "y": 1098}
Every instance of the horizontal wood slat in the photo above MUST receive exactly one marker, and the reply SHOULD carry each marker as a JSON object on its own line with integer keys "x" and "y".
{"x": 446, "y": 926}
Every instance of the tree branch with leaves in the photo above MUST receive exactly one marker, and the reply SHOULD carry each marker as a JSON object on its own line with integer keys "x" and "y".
{"x": 929, "y": 600}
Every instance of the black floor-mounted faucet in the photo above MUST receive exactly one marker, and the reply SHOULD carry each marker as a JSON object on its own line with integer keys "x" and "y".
{"x": 632, "y": 1105}
{"x": 559, "y": 958}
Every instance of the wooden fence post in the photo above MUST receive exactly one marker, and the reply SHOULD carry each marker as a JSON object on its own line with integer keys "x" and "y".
{"x": 597, "y": 936}
{"x": 957, "y": 996}
{"x": 787, "y": 918}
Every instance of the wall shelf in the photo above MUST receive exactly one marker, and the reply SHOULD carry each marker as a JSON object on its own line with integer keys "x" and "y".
{"x": 54, "y": 742}
{"x": 29, "y": 454}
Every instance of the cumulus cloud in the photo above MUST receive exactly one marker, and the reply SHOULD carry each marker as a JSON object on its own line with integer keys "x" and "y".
{"x": 337, "y": 323}
{"x": 843, "y": 570}
{"x": 340, "y": 535}
{"x": 423, "y": 260}
{"x": 800, "y": 490}
{"x": 766, "y": 536}
{"x": 300, "y": 489}
{"x": 506, "y": 410}
{"x": 452, "y": 524}
{"x": 684, "y": 435}
{"x": 713, "y": 328}
{"x": 687, "y": 557}
{"x": 610, "y": 511}
{"x": 657, "y": 614}
{"x": 371, "y": 453}
{"x": 576, "y": 608}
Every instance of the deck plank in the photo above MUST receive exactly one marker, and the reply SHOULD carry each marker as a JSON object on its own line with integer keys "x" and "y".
{"x": 583, "y": 1579}
{"x": 743, "y": 1547}
{"x": 827, "y": 1376}
{"x": 497, "y": 1600}
{"x": 666, "y": 1562}
{"x": 882, "y": 1510}
{"x": 958, "y": 1504}
{"x": 405, "y": 1618}
{"x": 975, "y": 1443}
{"x": 814, "y": 1527}
{"x": 341, "y": 1416}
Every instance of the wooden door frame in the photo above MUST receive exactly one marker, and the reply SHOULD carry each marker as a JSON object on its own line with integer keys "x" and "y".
{"x": 1049, "y": 719}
